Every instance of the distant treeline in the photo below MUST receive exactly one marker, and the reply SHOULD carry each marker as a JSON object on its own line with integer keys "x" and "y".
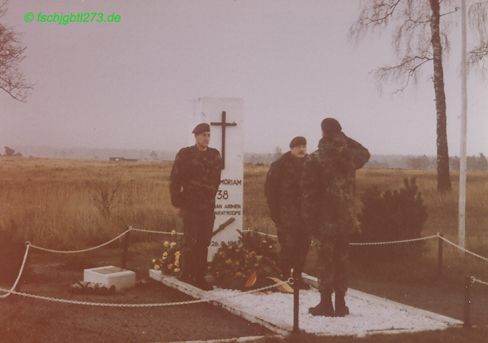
{"x": 423, "y": 162}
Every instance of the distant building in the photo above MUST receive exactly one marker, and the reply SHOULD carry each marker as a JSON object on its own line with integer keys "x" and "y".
{"x": 122, "y": 159}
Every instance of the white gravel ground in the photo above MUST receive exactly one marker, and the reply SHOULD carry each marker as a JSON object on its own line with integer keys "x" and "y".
{"x": 369, "y": 314}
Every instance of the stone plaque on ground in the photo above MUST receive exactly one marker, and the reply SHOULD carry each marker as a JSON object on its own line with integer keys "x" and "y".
{"x": 110, "y": 276}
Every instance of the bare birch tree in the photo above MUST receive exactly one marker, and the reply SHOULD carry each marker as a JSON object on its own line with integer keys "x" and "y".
{"x": 420, "y": 36}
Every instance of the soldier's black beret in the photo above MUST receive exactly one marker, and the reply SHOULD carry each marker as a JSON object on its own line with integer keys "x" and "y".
{"x": 331, "y": 125}
{"x": 299, "y": 140}
{"x": 202, "y": 127}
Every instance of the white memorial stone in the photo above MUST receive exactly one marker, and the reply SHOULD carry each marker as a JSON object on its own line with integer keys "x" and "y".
{"x": 225, "y": 116}
{"x": 110, "y": 276}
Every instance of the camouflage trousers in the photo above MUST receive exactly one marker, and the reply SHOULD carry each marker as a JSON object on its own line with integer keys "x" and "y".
{"x": 198, "y": 228}
{"x": 294, "y": 244}
{"x": 333, "y": 257}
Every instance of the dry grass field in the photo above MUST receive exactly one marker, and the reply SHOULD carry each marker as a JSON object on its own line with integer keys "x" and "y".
{"x": 69, "y": 203}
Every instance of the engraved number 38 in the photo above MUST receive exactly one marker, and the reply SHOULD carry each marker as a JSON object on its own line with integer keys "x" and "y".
{"x": 222, "y": 195}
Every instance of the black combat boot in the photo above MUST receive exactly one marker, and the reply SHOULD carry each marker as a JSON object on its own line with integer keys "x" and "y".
{"x": 341, "y": 310}
{"x": 324, "y": 308}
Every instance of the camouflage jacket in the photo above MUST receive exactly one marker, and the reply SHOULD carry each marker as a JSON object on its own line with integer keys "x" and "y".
{"x": 282, "y": 191}
{"x": 328, "y": 186}
{"x": 195, "y": 178}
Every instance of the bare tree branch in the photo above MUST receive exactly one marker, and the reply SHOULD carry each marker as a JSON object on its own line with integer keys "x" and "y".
{"x": 478, "y": 15}
{"x": 12, "y": 80}
{"x": 378, "y": 13}
{"x": 407, "y": 70}
{"x": 411, "y": 38}
{"x": 478, "y": 54}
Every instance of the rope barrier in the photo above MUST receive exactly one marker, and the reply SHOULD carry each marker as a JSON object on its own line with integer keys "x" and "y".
{"x": 19, "y": 275}
{"x": 81, "y": 250}
{"x": 263, "y": 234}
{"x": 8, "y": 292}
{"x": 177, "y": 303}
{"x": 362, "y": 243}
{"x": 481, "y": 282}
{"x": 394, "y": 242}
{"x": 463, "y": 249}
{"x": 103, "y": 244}
{"x": 156, "y": 231}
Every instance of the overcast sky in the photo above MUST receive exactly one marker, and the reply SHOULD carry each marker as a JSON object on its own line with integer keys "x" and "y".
{"x": 132, "y": 84}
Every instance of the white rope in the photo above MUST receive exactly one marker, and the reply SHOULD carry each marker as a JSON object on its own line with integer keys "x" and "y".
{"x": 81, "y": 250}
{"x": 463, "y": 249}
{"x": 395, "y": 242}
{"x": 261, "y": 233}
{"x": 177, "y": 303}
{"x": 481, "y": 282}
{"x": 19, "y": 275}
{"x": 361, "y": 243}
{"x": 264, "y": 234}
{"x": 157, "y": 231}
{"x": 103, "y": 244}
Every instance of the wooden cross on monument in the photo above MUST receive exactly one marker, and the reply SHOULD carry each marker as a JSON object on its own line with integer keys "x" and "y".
{"x": 224, "y": 124}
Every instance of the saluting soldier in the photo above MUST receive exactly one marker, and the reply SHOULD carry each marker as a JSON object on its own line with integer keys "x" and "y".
{"x": 284, "y": 200}
{"x": 194, "y": 181}
{"x": 328, "y": 187}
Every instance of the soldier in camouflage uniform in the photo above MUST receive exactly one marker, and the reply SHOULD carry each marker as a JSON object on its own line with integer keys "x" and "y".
{"x": 284, "y": 196}
{"x": 194, "y": 181}
{"x": 328, "y": 187}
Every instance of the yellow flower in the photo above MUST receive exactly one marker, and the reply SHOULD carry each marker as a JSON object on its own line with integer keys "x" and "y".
{"x": 172, "y": 244}
{"x": 177, "y": 260}
{"x": 165, "y": 254}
